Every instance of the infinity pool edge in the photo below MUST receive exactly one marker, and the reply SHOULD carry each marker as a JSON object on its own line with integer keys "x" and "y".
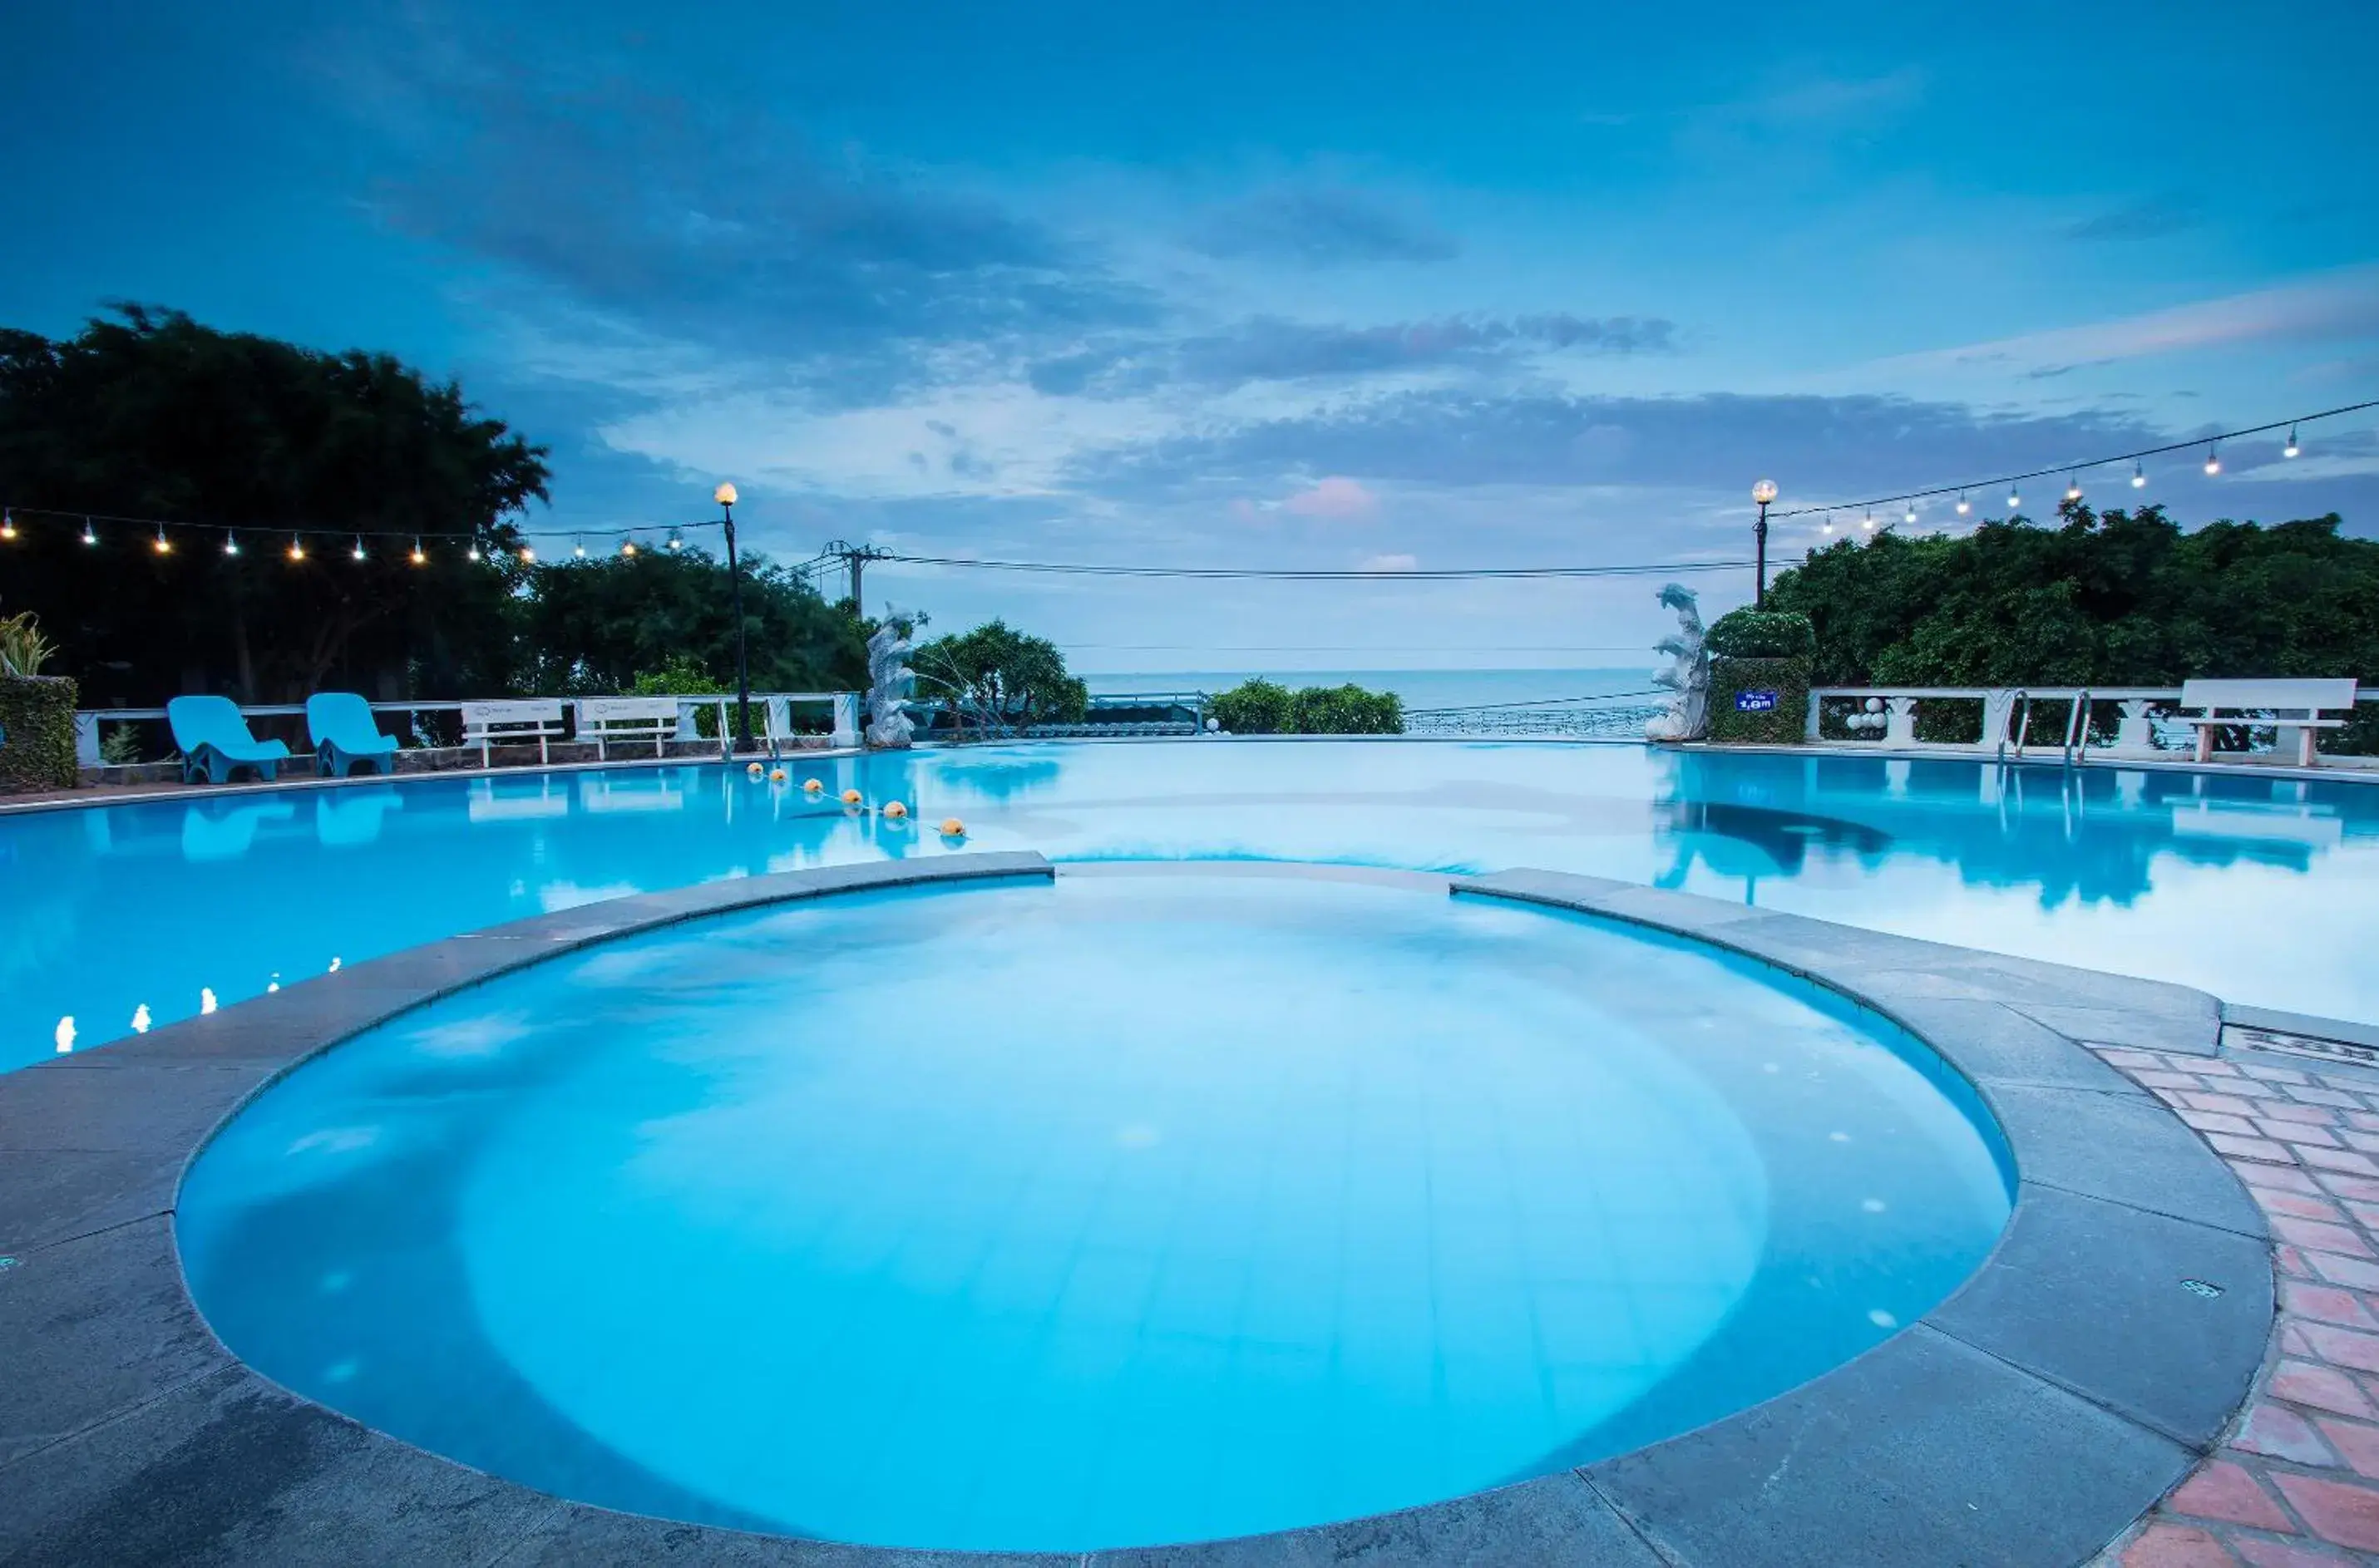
{"x": 132, "y": 1433}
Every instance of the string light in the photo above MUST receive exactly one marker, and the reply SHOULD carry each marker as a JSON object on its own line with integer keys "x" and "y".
{"x": 1964, "y": 506}
{"x": 1829, "y": 524}
{"x": 2214, "y": 459}
{"x": 417, "y": 557}
{"x": 1870, "y": 523}
{"x": 2073, "y": 486}
{"x": 1908, "y": 518}
{"x": 526, "y": 554}
{"x": 88, "y": 538}
{"x": 2291, "y": 449}
{"x": 676, "y": 540}
{"x": 231, "y": 542}
{"x": 578, "y": 549}
{"x": 628, "y": 549}
{"x": 164, "y": 545}
{"x": 2015, "y": 498}
{"x": 359, "y": 547}
{"x": 474, "y": 551}
{"x": 297, "y": 548}
{"x": 7, "y": 523}
{"x": 2139, "y": 478}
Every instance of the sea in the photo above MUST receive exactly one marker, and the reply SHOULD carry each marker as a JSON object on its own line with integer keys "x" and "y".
{"x": 1421, "y": 689}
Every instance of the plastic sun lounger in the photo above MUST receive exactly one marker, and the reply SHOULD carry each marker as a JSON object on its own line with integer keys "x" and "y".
{"x": 345, "y": 733}
{"x": 214, "y": 741}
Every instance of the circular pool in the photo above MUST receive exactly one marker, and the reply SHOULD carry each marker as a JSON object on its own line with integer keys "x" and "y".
{"x": 1148, "y": 1205}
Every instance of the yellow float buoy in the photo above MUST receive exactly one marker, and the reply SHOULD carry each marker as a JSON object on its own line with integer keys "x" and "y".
{"x": 812, "y": 785}
{"x": 752, "y": 768}
{"x": 777, "y": 777}
{"x": 895, "y": 809}
{"x": 953, "y": 828}
{"x": 851, "y": 797}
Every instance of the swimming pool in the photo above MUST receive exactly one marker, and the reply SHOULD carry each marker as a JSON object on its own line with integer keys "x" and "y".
{"x": 2260, "y": 890}
{"x": 1153, "y": 1204}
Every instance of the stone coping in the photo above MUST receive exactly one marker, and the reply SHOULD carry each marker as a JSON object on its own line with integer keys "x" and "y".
{"x": 2087, "y": 1366}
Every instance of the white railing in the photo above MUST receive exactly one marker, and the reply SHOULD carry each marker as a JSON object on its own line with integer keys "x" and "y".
{"x": 773, "y": 717}
{"x": 1886, "y": 716}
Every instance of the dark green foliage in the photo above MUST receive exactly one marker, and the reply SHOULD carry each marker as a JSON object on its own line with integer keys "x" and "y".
{"x": 1265, "y": 707}
{"x": 37, "y": 737}
{"x": 1255, "y": 707}
{"x": 1760, "y": 633}
{"x": 2105, "y": 599}
{"x": 1787, "y": 678}
{"x": 997, "y": 678}
{"x": 151, "y": 415}
{"x": 597, "y": 626}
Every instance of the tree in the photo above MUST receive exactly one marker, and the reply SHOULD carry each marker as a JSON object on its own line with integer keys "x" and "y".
{"x": 999, "y": 678}
{"x": 153, "y": 416}
{"x": 2104, "y": 598}
{"x": 596, "y": 626}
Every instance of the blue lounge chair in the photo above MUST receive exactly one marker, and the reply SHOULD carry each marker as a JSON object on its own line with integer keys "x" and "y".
{"x": 214, "y": 740}
{"x": 344, "y": 734}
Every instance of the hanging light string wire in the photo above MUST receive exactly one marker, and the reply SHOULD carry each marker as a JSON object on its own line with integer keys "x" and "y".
{"x": 268, "y": 530}
{"x": 2194, "y": 443}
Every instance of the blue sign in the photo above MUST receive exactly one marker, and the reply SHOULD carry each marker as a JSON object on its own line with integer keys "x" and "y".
{"x": 1754, "y": 702}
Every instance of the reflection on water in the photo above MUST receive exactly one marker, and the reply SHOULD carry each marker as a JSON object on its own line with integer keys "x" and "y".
{"x": 2255, "y": 888}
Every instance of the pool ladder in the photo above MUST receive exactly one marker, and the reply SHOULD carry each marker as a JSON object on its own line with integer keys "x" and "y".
{"x": 2076, "y": 747}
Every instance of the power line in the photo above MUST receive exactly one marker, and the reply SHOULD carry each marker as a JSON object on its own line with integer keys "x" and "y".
{"x": 1314, "y": 575}
{"x": 165, "y": 525}
{"x": 2074, "y": 470}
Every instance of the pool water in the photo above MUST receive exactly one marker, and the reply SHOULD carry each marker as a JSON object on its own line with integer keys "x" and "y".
{"x": 1153, "y": 1205}
{"x": 2257, "y": 889}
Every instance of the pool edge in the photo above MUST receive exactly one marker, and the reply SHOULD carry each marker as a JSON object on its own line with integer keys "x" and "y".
{"x": 132, "y": 1432}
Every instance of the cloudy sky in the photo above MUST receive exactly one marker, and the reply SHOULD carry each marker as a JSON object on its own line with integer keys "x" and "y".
{"x": 1376, "y": 287}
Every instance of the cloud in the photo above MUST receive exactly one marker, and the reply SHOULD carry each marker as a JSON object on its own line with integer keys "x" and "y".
{"x": 2151, "y": 219}
{"x": 1337, "y": 498}
{"x": 698, "y": 224}
{"x": 1269, "y": 348}
{"x": 1814, "y": 446}
{"x": 1317, "y": 227}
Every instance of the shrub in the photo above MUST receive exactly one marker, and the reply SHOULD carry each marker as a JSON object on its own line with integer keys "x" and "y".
{"x": 23, "y": 650}
{"x": 1788, "y": 679}
{"x": 1266, "y": 707}
{"x": 1255, "y": 707}
{"x": 37, "y": 733}
{"x": 681, "y": 677}
{"x": 1761, "y": 634}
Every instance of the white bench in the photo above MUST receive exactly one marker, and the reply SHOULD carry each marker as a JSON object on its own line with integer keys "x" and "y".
{"x": 606, "y": 720}
{"x": 2284, "y": 698}
{"x": 508, "y": 723}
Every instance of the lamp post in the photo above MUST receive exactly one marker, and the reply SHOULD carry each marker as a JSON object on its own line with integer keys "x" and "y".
{"x": 1762, "y": 493}
{"x": 725, "y": 495}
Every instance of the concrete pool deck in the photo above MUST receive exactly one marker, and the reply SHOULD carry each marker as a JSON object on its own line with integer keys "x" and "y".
{"x": 2100, "y": 1357}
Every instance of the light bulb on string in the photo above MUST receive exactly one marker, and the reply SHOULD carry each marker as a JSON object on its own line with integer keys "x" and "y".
{"x": 2291, "y": 449}
{"x": 628, "y": 549}
{"x": 578, "y": 549}
{"x": 164, "y": 545}
{"x": 1870, "y": 523}
{"x": 1829, "y": 526}
{"x": 676, "y": 540}
{"x": 1964, "y": 506}
{"x": 7, "y": 523}
{"x": 473, "y": 553}
{"x": 231, "y": 542}
{"x": 1909, "y": 516}
{"x": 526, "y": 554}
{"x": 2212, "y": 460}
{"x": 297, "y": 546}
{"x": 2015, "y": 498}
{"x": 359, "y": 547}
{"x": 2073, "y": 486}
{"x": 417, "y": 556}
{"x": 2139, "y": 478}
{"x": 88, "y": 538}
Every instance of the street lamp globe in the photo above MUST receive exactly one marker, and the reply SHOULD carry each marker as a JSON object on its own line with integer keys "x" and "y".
{"x": 724, "y": 495}
{"x": 1764, "y": 491}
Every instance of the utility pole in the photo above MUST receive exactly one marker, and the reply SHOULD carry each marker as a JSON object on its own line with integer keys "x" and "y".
{"x": 854, "y": 560}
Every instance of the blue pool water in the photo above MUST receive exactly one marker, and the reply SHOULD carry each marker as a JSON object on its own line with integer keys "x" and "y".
{"x": 2258, "y": 891}
{"x": 1145, "y": 1207}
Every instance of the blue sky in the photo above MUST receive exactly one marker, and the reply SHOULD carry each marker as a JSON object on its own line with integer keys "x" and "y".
{"x": 1372, "y": 285}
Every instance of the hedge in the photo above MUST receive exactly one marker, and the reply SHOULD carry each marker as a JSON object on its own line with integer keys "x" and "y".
{"x": 1761, "y": 634}
{"x": 1265, "y": 707}
{"x": 1787, "y": 678}
{"x": 37, "y": 732}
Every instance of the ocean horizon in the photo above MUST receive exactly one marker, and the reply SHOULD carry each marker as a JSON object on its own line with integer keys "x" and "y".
{"x": 1419, "y": 688}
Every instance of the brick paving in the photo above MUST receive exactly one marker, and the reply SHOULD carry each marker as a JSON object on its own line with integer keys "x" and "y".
{"x": 2296, "y": 1482}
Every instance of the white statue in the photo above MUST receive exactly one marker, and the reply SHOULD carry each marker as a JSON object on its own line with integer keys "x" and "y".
{"x": 1687, "y": 674}
{"x": 888, "y": 683}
